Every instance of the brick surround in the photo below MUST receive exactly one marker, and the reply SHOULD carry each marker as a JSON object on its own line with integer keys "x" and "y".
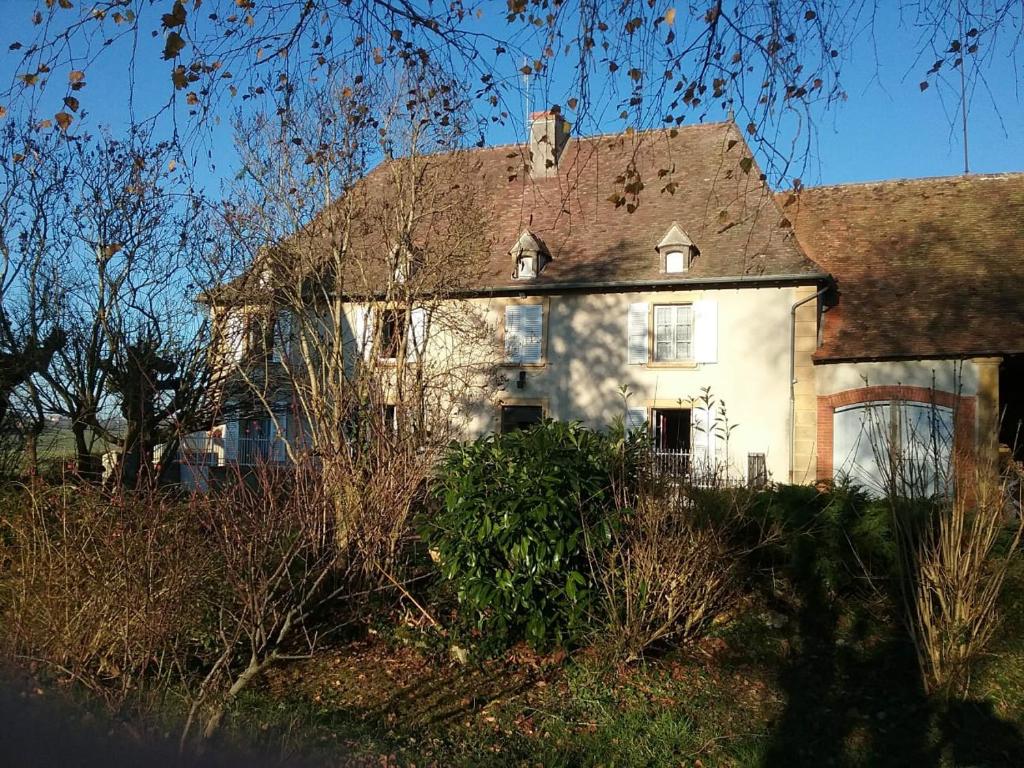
{"x": 964, "y": 408}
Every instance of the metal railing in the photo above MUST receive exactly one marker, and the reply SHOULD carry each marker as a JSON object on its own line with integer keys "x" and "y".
{"x": 670, "y": 463}
{"x": 256, "y": 450}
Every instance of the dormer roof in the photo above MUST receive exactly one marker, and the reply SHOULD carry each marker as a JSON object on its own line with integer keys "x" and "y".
{"x": 527, "y": 243}
{"x": 675, "y": 239}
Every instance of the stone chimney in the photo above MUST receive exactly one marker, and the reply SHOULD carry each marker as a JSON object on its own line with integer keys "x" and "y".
{"x": 548, "y": 135}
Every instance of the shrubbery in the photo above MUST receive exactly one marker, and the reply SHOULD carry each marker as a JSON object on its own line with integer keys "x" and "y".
{"x": 559, "y": 530}
{"x": 669, "y": 571}
{"x": 834, "y": 537}
{"x": 519, "y": 513}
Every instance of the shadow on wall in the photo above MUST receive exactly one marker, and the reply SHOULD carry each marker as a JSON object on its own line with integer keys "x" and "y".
{"x": 589, "y": 354}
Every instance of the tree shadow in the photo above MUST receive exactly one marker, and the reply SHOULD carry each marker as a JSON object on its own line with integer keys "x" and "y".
{"x": 854, "y": 696}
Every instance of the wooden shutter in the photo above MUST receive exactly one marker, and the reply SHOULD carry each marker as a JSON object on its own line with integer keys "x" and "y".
{"x": 234, "y": 335}
{"x": 702, "y": 439}
{"x": 281, "y": 437}
{"x": 636, "y": 418}
{"x": 524, "y": 333}
{"x": 417, "y": 333}
{"x": 533, "y": 333}
{"x": 364, "y": 331}
{"x": 637, "y": 334}
{"x": 705, "y": 320}
{"x": 513, "y": 325}
{"x": 231, "y": 440}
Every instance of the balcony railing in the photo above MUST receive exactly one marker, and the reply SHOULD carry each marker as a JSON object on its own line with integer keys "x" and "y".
{"x": 670, "y": 463}
{"x": 253, "y": 451}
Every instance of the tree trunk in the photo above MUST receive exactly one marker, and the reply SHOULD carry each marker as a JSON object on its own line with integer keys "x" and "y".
{"x": 87, "y": 464}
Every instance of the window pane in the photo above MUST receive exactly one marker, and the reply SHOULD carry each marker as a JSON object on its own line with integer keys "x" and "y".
{"x": 673, "y": 332}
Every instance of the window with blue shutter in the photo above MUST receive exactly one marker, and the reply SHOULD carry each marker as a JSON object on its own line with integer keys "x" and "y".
{"x": 636, "y": 418}
{"x": 524, "y": 334}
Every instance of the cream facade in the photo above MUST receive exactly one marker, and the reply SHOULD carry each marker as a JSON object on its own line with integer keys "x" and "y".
{"x": 743, "y": 358}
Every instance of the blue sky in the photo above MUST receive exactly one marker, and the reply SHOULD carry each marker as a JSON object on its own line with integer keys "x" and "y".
{"x": 886, "y": 128}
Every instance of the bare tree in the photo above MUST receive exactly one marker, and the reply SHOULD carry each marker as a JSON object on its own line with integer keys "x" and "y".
{"x": 772, "y": 63}
{"x": 135, "y": 347}
{"x": 30, "y": 333}
{"x": 350, "y": 294}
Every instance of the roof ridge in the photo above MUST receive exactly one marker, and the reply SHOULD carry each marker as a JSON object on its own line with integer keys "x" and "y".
{"x": 588, "y": 137}
{"x": 910, "y": 180}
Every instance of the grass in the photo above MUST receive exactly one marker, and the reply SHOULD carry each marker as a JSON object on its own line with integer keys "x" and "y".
{"x": 801, "y": 684}
{"x": 805, "y": 685}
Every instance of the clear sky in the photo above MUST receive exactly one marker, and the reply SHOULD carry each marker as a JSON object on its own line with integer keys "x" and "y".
{"x": 887, "y": 127}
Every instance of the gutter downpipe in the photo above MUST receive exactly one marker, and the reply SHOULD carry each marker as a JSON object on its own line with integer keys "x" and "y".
{"x": 792, "y": 372}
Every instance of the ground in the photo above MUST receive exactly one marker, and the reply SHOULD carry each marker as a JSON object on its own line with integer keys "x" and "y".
{"x": 787, "y": 682}
{"x": 812, "y": 686}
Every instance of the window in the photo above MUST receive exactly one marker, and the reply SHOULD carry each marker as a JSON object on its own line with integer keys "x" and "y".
{"x": 673, "y": 333}
{"x": 392, "y": 332}
{"x": 675, "y": 261}
{"x": 671, "y": 442}
{"x": 516, "y": 417}
{"x": 524, "y": 334}
{"x": 903, "y": 447}
{"x": 527, "y": 267}
{"x": 672, "y": 429}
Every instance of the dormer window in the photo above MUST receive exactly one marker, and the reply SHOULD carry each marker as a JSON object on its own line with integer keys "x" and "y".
{"x": 526, "y": 267}
{"x": 677, "y": 250}
{"x": 530, "y": 257}
{"x": 675, "y": 261}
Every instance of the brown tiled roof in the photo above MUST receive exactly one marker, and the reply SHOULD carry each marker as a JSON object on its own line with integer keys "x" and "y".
{"x": 727, "y": 211}
{"x": 925, "y": 269}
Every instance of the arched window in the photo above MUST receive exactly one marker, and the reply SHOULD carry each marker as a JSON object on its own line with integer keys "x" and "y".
{"x": 894, "y": 446}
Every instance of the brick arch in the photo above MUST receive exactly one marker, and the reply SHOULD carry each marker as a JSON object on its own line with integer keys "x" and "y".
{"x": 963, "y": 407}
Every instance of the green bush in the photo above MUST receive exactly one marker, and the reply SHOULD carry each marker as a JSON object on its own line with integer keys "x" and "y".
{"x": 832, "y": 538}
{"x": 518, "y": 513}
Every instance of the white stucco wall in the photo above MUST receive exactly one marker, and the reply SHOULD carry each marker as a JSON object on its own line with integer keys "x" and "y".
{"x": 586, "y": 363}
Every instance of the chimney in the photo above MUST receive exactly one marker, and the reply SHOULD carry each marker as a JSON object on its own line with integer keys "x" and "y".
{"x": 548, "y": 134}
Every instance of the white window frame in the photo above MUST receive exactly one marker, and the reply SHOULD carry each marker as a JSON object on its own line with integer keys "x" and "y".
{"x": 676, "y": 326}
{"x": 526, "y": 269}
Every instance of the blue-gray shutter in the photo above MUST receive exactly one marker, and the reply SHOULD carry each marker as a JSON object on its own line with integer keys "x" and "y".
{"x": 416, "y": 343}
{"x": 524, "y": 333}
{"x": 637, "y": 334}
{"x": 636, "y": 418}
